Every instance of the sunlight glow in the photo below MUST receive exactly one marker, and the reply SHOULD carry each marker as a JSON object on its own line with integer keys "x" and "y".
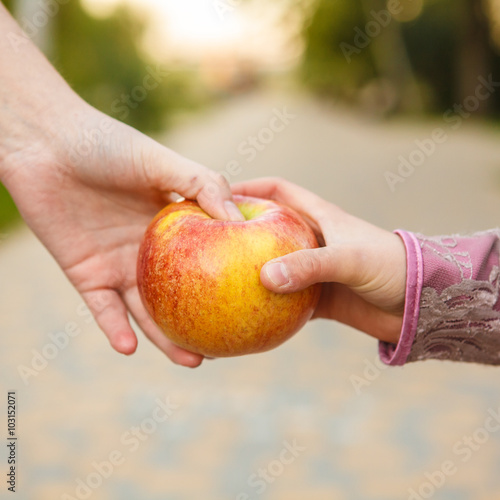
{"x": 195, "y": 29}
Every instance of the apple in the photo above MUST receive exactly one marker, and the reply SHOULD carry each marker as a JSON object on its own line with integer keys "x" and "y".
{"x": 199, "y": 277}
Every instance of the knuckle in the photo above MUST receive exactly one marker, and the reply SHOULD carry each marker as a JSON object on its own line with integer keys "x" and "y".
{"x": 213, "y": 186}
{"x": 219, "y": 179}
{"x": 280, "y": 184}
{"x": 193, "y": 181}
{"x": 278, "y": 187}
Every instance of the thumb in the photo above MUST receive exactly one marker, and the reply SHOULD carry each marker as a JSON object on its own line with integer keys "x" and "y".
{"x": 165, "y": 170}
{"x": 194, "y": 181}
{"x": 298, "y": 270}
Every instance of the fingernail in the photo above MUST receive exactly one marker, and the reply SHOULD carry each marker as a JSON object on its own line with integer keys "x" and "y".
{"x": 277, "y": 273}
{"x": 233, "y": 212}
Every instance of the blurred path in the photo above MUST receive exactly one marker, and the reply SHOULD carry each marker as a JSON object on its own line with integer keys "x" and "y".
{"x": 87, "y": 416}
{"x": 344, "y": 158}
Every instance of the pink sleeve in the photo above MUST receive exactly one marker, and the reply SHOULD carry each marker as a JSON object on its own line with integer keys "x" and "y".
{"x": 452, "y": 307}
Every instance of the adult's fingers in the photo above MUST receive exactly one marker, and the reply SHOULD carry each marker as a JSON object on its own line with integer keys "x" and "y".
{"x": 176, "y": 354}
{"x": 110, "y": 313}
{"x": 169, "y": 171}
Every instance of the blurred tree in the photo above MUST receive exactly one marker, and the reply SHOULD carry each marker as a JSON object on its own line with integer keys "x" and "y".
{"x": 444, "y": 49}
{"x": 348, "y": 46}
{"x": 476, "y": 51}
{"x": 432, "y": 42}
{"x": 475, "y": 47}
{"x": 8, "y": 210}
{"x": 450, "y": 46}
{"x": 101, "y": 59}
{"x": 325, "y": 67}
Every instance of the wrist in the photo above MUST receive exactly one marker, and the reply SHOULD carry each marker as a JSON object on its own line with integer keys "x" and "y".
{"x": 33, "y": 137}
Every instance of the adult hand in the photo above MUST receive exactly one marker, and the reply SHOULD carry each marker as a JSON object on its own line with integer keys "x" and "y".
{"x": 88, "y": 185}
{"x": 362, "y": 267}
{"x": 91, "y": 212}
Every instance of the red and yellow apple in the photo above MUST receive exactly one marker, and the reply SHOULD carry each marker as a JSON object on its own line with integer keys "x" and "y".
{"x": 199, "y": 277}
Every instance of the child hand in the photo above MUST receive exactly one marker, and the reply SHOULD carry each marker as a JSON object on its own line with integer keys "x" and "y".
{"x": 362, "y": 267}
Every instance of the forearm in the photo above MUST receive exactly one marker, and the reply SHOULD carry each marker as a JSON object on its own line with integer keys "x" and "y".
{"x": 33, "y": 96}
{"x": 453, "y": 300}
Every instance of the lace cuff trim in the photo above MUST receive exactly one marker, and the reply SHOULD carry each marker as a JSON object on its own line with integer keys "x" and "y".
{"x": 392, "y": 354}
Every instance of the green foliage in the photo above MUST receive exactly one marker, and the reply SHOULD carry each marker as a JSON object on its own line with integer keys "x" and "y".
{"x": 101, "y": 61}
{"x": 447, "y": 46}
{"x": 325, "y": 68}
{"x": 8, "y": 4}
{"x": 433, "y": 45}
{"x": 8, "y": 211}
